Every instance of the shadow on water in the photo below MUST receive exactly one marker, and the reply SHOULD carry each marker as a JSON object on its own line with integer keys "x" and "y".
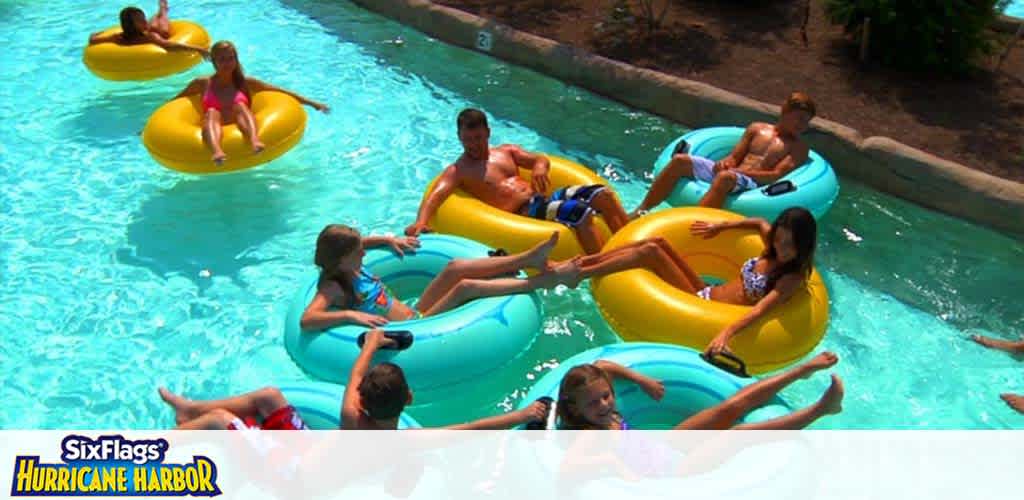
{"x": 212, "y": 223}
{"x": 116, "y": 115}
{"x": 569, "y": 115}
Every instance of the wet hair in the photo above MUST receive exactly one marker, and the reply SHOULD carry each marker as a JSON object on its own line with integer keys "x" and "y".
{"x": 804, "y": 228}
{"x": 129, "y": 31}
{"x": 384, "y": 392}
{"x": 575, "y": 380}
{"x": 335, "y": 242}
{"x": 237, "y": 76}
{"x": 471, "y": 118}
{"x": 799, "y": 101}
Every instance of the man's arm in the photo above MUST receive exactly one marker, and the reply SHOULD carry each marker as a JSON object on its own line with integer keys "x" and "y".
{"x": 445, "y": 186}
{"x": 538, "y": 164}
{"x": 739, "y": 151}
{"x": 796, "y": 157}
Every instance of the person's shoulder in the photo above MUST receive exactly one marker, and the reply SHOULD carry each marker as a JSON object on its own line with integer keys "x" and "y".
{"x": 330, "y": 288}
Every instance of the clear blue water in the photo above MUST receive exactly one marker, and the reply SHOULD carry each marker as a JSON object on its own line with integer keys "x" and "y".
{"x": 1016, "y": 9}
{"x": 117, "y": 275}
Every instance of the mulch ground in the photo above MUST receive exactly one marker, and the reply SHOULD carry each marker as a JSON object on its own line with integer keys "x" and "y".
{"x": 754, "y": 48}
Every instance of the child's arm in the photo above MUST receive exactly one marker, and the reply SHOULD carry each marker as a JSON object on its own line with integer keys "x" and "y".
{"x": 259, "y": 85}
{"x": 171, "y": 46}
{"x": 351, "y": 407}
{"x": 712, "y": 229}
{"x": 445, "y": 187}
{"x": 784, "y": 289}
{"x": 654, "y": 388}
{"x": 398, "y": 245}
{"x": 535, "y": 411}
{"x": 318, "y": 315}
{"x": 196, "y": 86}
{"x": 96, "y": 38}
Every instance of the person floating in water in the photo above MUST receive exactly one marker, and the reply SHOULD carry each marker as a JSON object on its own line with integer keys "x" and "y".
{"x": 227, "y": 98}
{"x": 135, "y": 30}
{"x": 491, "y": 174}
{"x": 765, "y": 154}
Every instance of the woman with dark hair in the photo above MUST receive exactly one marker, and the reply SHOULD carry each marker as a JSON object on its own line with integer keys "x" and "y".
{"x": 227, "y": 99}
{"x": 136, "y": 30}
{"x": 765, "y": 281}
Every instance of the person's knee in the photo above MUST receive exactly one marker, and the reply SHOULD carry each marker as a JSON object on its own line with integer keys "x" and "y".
{"x": 271, "y": 395}
{"x": 454, "y": 266}
{"x": 680, "y": 159}
{"x": 466, "y": 288}
{"x": 725, "y": 180}
{"x": 650, "y": 249}
{"x": 662, "y": 243}
{"x": 221, "y": 417}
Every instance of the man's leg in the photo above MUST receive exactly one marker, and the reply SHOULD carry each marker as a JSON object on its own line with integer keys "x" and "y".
{"x": 721, "y": 186}
{"x": 681, "y": 165}
{"x": 606, "y": 204}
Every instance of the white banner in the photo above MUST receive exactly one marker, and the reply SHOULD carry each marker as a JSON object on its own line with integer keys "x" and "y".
{"x": 428, "y": 464}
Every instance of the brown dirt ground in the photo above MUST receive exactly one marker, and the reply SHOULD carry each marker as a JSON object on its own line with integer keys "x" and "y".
{"x": 754, "y": 48}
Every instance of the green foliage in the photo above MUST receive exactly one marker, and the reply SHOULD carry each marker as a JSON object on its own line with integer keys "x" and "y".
{"x": 932, "y": 35}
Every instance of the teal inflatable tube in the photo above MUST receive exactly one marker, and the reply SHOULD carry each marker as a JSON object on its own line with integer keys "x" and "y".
{"x": 691, "y": 385}
{"x": 816, "y": 184}
{"x": 448, "y": 349}
{"x": 319, "y": 405}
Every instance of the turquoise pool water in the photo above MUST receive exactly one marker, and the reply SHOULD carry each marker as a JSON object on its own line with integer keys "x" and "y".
{"x": 119, "y": 276}
{"x": 1016, "y": 9}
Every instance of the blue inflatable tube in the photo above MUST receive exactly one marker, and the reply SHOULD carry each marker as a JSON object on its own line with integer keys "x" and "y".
{"x": 319, "y": 405}
{"x": 691, "y": 385}
{"x": 816, "y": 184}
{"x": 448, "y": 349}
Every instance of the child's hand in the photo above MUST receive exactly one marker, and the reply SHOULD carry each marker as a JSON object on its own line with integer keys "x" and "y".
{"x": 654, "y": 388}
{"x": 376, "y": 339}
{"x": 401, "y": 245}
{"x": 416, "y": 228}
{"x": 537, "y": 411}
{"x": 718, "y": 345}
{"x": 705, "y": 229}
{"x": 367, "y": 319}
{"x": 321, "y": 107}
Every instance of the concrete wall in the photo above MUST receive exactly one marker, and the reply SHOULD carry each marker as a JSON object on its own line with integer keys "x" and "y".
{"x": 879, "y": 162}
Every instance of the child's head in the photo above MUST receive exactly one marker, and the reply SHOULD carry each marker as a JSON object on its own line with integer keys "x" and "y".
{"x": 797, "y": 112}
{"x": 133, "y": 23}
{"x": 383, "y": 393}
{"x": 474, "y": 134}
{"x": 586, "y": 399}
{"x": 794, "y": 236}
{"x": 339, "y": 249}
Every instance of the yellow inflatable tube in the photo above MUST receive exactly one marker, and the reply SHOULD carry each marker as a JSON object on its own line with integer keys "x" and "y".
{"x": 463, "y": 215}
{"x": 174, "y": 136}
{"x": 111, "y": 61}
{"x": 640, "y": 306}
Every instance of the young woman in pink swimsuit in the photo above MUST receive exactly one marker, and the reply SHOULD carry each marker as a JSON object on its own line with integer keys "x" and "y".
{"x": 227, "y": 99}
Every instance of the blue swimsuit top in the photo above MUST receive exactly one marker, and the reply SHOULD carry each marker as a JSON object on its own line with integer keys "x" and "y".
{"x": 371, "y": 295}
{"x": 755, "y": 284}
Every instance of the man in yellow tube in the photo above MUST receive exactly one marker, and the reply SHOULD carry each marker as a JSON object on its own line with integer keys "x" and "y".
{"x": 491, "y": 174}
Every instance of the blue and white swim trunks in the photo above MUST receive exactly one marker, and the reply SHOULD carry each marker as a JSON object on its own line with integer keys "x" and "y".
{"x": 569, "y": 205}
{"x": 703, "y": 169}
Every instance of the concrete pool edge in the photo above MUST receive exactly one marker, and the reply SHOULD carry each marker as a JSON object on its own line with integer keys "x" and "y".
{"x": 880, "y": 162}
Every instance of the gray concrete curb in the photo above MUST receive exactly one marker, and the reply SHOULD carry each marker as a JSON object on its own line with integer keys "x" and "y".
{"x": 880, "y": 162}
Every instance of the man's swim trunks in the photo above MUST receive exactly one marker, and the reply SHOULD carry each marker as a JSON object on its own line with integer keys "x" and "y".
{"x": 569, "y": 205}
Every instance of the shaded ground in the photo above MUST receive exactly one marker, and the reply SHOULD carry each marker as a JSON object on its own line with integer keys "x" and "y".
{"x": 754, "y": 48}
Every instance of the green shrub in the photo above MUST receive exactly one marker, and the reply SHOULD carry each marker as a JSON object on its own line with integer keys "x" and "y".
{"x": 934, "y": 35}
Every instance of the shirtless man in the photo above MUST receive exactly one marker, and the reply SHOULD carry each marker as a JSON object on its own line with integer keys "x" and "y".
{"x": 490, "y": 174}
{"x": 765, "y": 154}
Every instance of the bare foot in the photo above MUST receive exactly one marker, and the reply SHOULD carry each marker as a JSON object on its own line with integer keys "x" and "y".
{"x": 219, "y": 158}
{"x": 568, "y": 273}
{"x": 832, "y": 401}
{"x": 537, "y": 257}
{"x": 163, "y": 7}
{"x": 183, "y": 408}
{"x": 822, "y": 361}
{"x": 1002, "y": 345}
{"x": 1015, "y": 401}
